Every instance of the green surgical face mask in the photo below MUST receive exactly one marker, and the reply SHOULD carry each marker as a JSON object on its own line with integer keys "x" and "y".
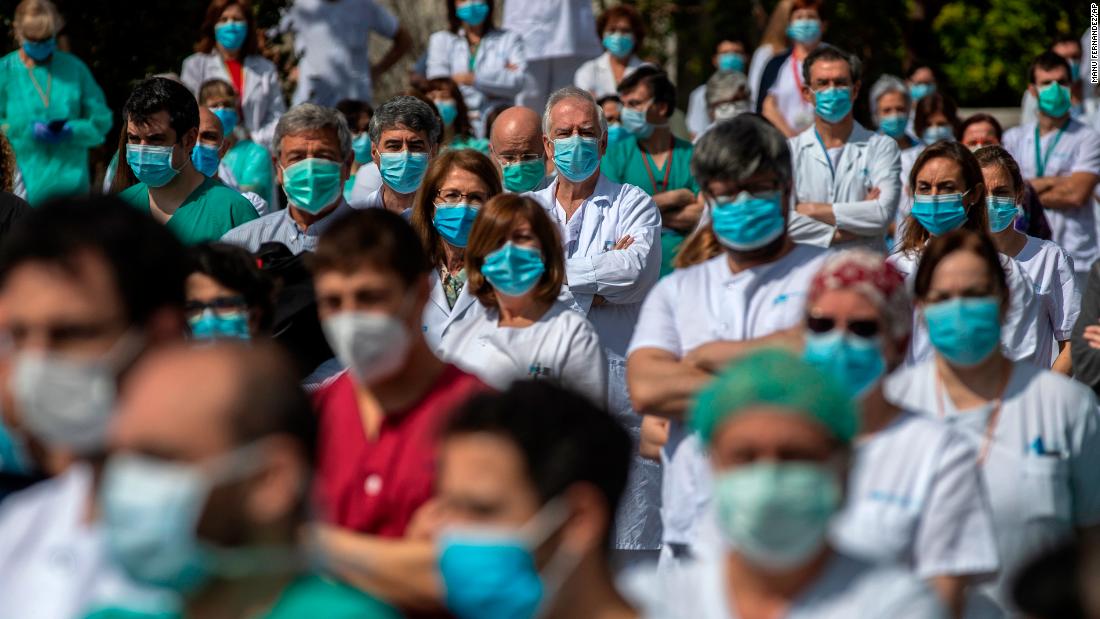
{"x": 312, "y": 184}
{"x": 524, "y": 176}
{"x": 1054, "y": 100}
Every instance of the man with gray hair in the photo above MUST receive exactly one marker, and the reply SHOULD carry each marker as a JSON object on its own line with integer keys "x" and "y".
{"x": 726, "y": 94}
{"x": 611, "y": 234}
{"x": 748, "y": 294}
{"x": 313, "y": 150}
{"x": 404, "y": 136}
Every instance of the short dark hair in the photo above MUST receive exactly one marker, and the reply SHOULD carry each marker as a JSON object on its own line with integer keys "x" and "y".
{"x": 564, "y": 438}
{"x": 271, "y": 401}
{"x": 235, "y": 268}
{"x": 657, "y": 80}
{"x": 375, "y": 238}
{"x": 637, "y": 24}
{"x": 830, "y": 52}
{"x": 148, "y": 262}
{"x": 353, "y": 110}
{"x": 1047, "y": 61}
{"x": 981, "y": 117}
{"x": 961, "y": 239}
{"x": 162, "y": 94}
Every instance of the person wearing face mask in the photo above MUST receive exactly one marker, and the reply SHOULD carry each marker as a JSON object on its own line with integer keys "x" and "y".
{"x": 522, "y": 331}
{"x": 612, "y": 107}
{"x": 51, "y": 108}
{"x": 230, "y": 49}
{"x": 314, "y": 153}
{"x": 162, "y": 127}
{"x": 1035, "y": 431}
{"x": 779, "y": 432}
{"x": 780, "y": 97}
{"x": 515, "y": 143}
{"x": 487, "y": 63}
{"x": 948, "y": 193}
{"x": 87, "y": 287}
{"x": 611, "y": 235}
{"x": 228, "y": 296}
{"x": 458, "y": 132}
{"x": 207, "y": 157}
{"x": 1048, "y": 266}
{"x": 380, "y": 418}
{"x": 749, "y": 292}
{"x": 891, "y": 105}
{"x": 935, "y": 118}
{"x": 456, "y": 188}
{"x": 622, "y": 31}
{"x": 405, "y": 134}
{"x": 364, "y": 173}
{"x": 1060, "y": 157}
{"x": 206, "y": 492}
{"x": 245, "y": 162}
{"x": 726, "y": 96}
{"x": 1071, "y": 49}
{"x": 921, "y": 81}
{"x": 654, "y": 159}
{"x": 847, "y": 182}
{"x": 729, "y": 57}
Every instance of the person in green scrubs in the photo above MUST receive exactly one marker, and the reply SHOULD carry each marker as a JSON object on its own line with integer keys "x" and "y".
{"x": 358, "y": 114}
{"x": 249, "y": 161}
{"x": 655, "y": 160}
{"x": 162, "y": 126}
{"x": 458, "y": 131}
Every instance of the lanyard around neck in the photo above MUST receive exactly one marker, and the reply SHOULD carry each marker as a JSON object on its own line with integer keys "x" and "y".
{"x": 1040, "y": 159}
{"x": 668, "y": 166}
{"x": 991, "y": 421}
{"x": 832, "y": 168}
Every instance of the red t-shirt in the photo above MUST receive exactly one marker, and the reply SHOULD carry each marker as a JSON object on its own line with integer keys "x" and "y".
{"x": 375, "y": 486}
{"x": 233, "y": 67}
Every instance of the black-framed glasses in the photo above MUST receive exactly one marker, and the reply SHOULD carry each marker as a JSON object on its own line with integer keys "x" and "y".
{"x": 859, "y": 328}
{"x": 221, "y": 306}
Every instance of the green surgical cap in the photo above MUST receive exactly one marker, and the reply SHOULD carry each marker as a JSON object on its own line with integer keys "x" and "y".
{"x": 774, "y": 378}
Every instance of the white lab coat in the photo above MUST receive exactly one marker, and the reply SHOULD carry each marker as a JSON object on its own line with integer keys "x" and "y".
{"x": 554, "y": 28}
{"x": 500, "y": 69}
{"x": 698, "y": 116}
{"x": 262, "y": 103}
{"x": 438, "y": 317}
{"x": 596, "y": 75}
{"x": 866, "y": 161}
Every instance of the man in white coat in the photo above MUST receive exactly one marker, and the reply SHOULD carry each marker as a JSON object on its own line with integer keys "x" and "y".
{"x": 558, "y": 37}
{"x": 611, "y": 235}
{"x": 846, "y": 178}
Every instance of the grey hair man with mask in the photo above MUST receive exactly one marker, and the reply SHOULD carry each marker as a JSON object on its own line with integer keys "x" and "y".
{"x": 749, "y": 293}
{"x": 404, "y": 136}
{"x": 86, "y": 288}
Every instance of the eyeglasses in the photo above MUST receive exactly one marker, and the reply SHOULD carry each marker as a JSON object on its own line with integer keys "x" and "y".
{"x": 453, "y": 196}
{"x": 221, "y": 306}
{"x": 519, "y": 158}
{"x": 859, "y": 328}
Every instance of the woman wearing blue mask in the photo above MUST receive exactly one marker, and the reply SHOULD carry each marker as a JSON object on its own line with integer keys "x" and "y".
{"x": 935, "y": 119}
{"x": 456, "y": 187}
{"x": 780, "y": 87}
{"x": 890, "y": 109}
{"x": 228, "y": 296}
{"x": 488, "y": 63}
{"x": 230, "y": 49}
{"x": 522, "y": 331}
{"x": 622, "y": 30}
{"x": 458, "y": 132}
{"x": 1035, "y": 431}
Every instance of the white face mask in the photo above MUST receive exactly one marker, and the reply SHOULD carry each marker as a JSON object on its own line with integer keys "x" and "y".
{"x": 730, "y": 109}
{"x": 372, "y": 345}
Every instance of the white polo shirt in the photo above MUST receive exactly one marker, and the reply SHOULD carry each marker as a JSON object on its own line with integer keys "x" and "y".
{"x": 1051, "y": 270}
{"x": 787, "y": 90}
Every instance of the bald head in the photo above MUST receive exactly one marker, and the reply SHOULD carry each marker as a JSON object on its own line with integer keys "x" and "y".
{"x": 211, "y": 131}
{"x": 516, "y": 131}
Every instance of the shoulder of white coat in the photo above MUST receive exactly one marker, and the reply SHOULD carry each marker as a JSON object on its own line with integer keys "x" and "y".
{"x": 1011, "y": 136}
{"x": 802, "y": 140}
{"x": 1056, "y": 389}
{"x": 442, "y": 37}
{"x": 544, "y": 196}
{"x": 259, "y": 64}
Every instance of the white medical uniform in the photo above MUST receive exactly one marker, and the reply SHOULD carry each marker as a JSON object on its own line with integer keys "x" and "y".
{"x": 622, "y": 278}
{"x": 905, "y": 203}
{"x": 708, "y": 303}
{"x": 1024, "y": 335}
{"x": 262, "y": 102}
{"x": 332, "y": 41}
{"x": 500, "y": 69}
{"x": 1051, "y": 270}
{"x": 1040, "y": 473}
{"x": 368, "y": 180}
{"x": 698, "y": 116}
{"x": 761, "y": 56}
{"x": 867, "y": 160}
{"x": 558, "y": 36}
{"x": 1078, "y": 150}
{"x": 561, "y": 347}
{"x": 438, "y": 317}
{"x": 787, "y": 91}
{"x": 596, "y": 76}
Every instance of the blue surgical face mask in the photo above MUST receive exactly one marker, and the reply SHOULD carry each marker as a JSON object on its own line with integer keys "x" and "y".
{"x": 576, "y": 157}
{"x": 212, "y": 326}
{"x": 453, "y": 222}
{"x": 833, "y": 104}
{"x": 939, "y": 214}
{"x": 524, "y": 175}
{"x": 229, "y": 119}
{"x": 231, "y": 34}
{"x": 620, "y": 45}
{"x": 40, "y": 50}
{"x": 403, "y": 171}
{"x": 361, "y": 146}
{"x": 1002, "y": 212}
{"x": 856, "y": 362}
{"x": 152, "y": 165}
{"x": 312, "y": 184}
{"x": 965, "y": 331}
{"x": 1074, "y": 70}
{"x": 634, "y": 121}
{"x": 448, "y": 111}
{"x": 616, "y": 133}
{"x": 894, "y": 125}
{"x": 804, "y": 30}
{"x": 731, "y": 61}
{"x": 473, "y": 12}
{"x": 205, "y": 159}
{"x": 934, "y": 134}
{"x": 748, "y": 221}
{"x": 920, "y": 91}
{"x": 513, "y": 270}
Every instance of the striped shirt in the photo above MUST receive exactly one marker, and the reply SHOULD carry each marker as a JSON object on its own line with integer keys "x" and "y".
{"x": 280, "y": 227}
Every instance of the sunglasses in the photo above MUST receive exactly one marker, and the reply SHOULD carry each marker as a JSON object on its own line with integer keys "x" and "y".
{"x": 859, "y": 328}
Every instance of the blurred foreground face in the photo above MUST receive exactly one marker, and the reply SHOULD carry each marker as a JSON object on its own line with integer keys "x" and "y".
{"x": 483, "y": 482}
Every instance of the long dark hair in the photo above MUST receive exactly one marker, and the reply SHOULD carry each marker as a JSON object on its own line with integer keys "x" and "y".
{"x": 977, "y": 218}
{"x": 253, "y": 41}
{"x": 455, "y": 24}
{"x": 461, "y": 123}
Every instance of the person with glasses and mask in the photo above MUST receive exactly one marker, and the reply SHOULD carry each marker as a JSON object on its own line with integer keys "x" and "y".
{"x": 1036, "y": 432}
{"x": 228, "y": 296}
{"x": 729, "y": 57}
{"x": 515, "y": 143}
{"x": 87, "y": 287}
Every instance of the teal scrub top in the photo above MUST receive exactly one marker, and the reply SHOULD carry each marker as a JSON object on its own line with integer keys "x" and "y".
{"x": 479, "y": 144}
{"x": 209, "y": 212}
{"x": 66, "y": 91}
{"x": 251, "y": 166}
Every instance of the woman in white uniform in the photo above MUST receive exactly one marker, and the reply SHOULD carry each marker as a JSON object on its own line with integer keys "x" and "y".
{"x": 456, "y": 185}
{"x": 948, "y": 193}
{"x": 621, "y": 31}
{"x": 516, "y": 269}
{"x": 779, "y": 433}
{"x": 1037, "y": 433}
{"x": 487, "y": 63}
{"x": 1048, "y": 265}
{"x": 230, "y": 50}
{"x": 914, "y": 494}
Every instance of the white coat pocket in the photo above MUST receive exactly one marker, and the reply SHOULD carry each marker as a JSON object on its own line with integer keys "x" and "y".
{"x": 1044, "y": 488}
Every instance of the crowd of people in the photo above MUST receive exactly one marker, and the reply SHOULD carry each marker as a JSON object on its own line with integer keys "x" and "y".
{"x": 527, "y": 340}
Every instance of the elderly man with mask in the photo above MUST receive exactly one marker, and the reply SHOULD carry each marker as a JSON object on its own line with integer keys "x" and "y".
{"x": 726, "y": 95}
{"x": 86, "y": 287}
{"x": 611, "y": 233}
{"x": 313, "y": 150}
{"x": 404, "y": 135}
{"x": 515, "y": 143}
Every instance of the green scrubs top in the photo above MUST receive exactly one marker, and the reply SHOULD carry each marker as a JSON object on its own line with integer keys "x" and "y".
{"x": 479, "y": 144}
{"x": 209, "y": 212}
{"x": 251, "y": 165}
{"x": 626, "y": 162}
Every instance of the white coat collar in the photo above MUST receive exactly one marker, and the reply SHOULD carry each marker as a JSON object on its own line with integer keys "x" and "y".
{"x": 465, "y": 298}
